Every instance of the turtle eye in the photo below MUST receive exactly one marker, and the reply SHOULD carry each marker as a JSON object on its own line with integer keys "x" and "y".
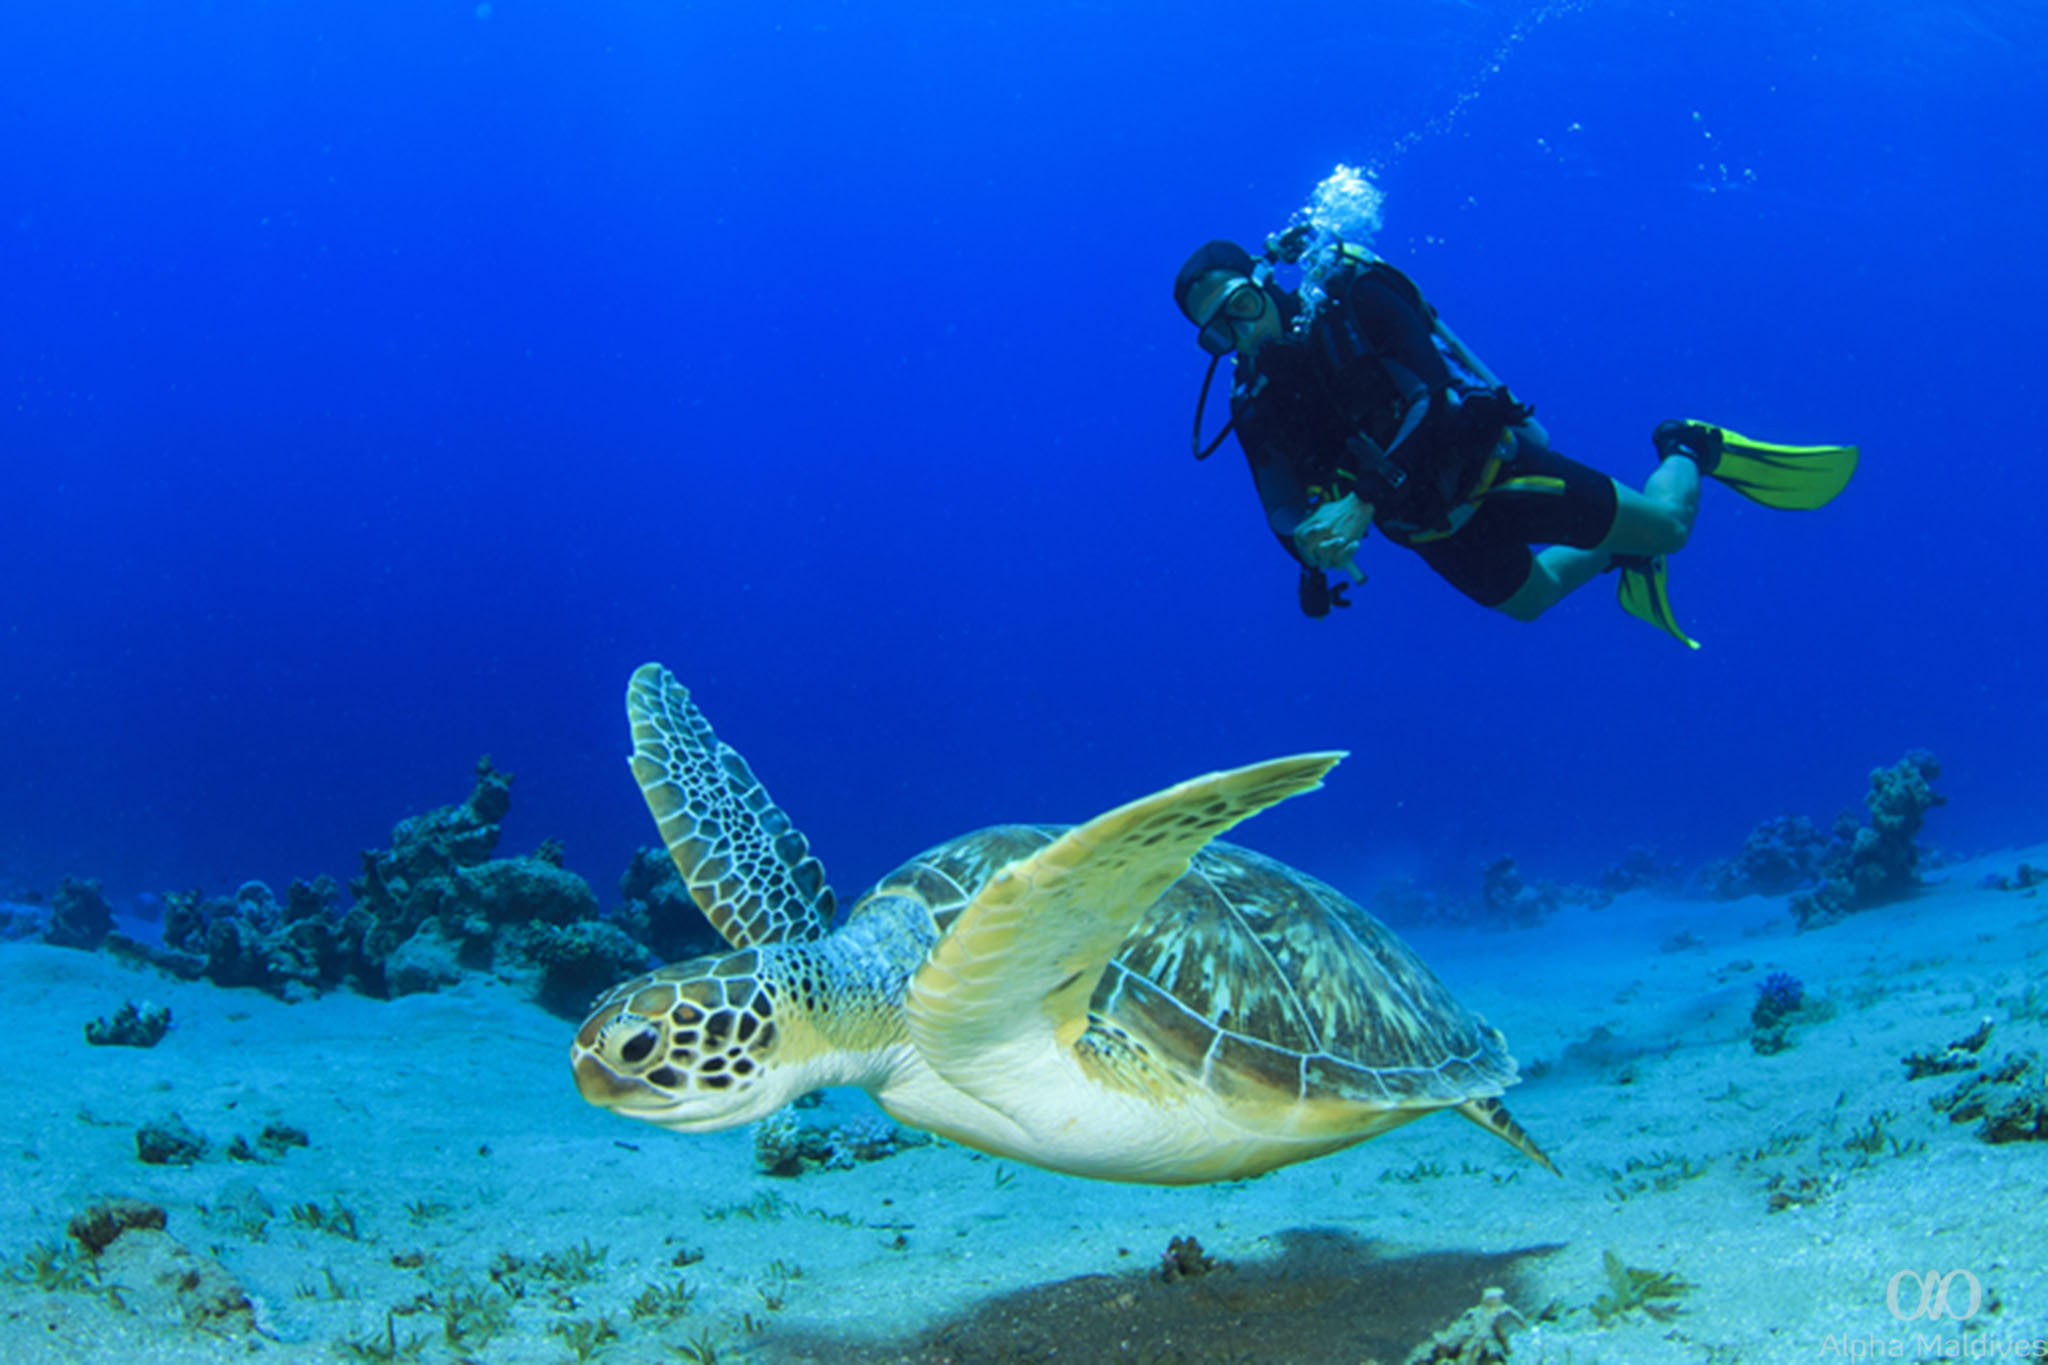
{"x": 635, "y": 1049}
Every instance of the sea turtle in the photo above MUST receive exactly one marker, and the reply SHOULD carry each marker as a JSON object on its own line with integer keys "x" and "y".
{"x": 1126, "y": 999}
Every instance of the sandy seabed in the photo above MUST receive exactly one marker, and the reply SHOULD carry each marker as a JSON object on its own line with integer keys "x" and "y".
{"x": 1787, "y": 1191}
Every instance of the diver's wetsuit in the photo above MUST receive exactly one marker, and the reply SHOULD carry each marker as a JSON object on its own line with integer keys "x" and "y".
{"x": 1360, "y": 369}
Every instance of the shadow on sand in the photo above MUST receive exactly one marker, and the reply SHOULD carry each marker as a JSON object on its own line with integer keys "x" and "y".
{"x": 1326, "y": 1297}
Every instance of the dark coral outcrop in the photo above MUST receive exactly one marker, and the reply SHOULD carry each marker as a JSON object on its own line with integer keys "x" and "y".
{"x": 433, "y": 907}
{"x": 658, "y": 910}
{"x": 1877, "y": 863}
{"x": 79, "y": 915}
{"x": 1780, "y": 856}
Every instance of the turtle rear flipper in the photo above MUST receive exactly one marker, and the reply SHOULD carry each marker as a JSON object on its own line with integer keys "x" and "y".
{"x": 1494, "y": 1117}
{"x": 746, "y": 865}
{"x": 1006, "y": 991}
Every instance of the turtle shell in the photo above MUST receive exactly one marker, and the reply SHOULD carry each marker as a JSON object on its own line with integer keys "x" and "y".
{"x": 1247, "y": 975}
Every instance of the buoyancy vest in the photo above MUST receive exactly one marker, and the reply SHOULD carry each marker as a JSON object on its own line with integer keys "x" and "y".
{"x": 1365, "y": 399}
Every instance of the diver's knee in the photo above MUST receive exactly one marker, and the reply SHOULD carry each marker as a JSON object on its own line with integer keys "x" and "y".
{"x": 1677, "y": 530}
{"x": 1648, "y": 529}
{"x": 1649, "y": 523}
{"x": 1530, "y": 601}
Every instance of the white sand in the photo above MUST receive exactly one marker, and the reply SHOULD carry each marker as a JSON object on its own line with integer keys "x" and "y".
{"x": 464, "y": 1101}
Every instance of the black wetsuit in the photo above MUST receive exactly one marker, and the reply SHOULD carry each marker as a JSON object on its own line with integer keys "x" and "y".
{"x": 1362, "y": 401}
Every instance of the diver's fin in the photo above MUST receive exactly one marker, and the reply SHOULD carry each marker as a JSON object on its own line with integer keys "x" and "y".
{"x": 1644, "y": 595}
{"x": 1796, "y": 478}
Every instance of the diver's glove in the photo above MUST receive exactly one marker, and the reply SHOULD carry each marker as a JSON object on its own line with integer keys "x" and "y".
{"x": 1317, "y": 594}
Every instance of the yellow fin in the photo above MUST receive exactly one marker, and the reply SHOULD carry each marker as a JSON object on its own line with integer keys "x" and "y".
{"x": 1645, "y": 595}
{"x": 1794, "y": 478}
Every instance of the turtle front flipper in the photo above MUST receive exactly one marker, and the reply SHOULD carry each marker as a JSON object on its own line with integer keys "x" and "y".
{"x": 747, "y": 867}
{"x": 1007, "y": 988}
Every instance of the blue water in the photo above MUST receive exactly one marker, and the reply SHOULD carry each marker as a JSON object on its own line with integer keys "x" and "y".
{"x": 384, "y": 382}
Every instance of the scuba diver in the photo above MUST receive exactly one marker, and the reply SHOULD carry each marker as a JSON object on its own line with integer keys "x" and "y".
{"x": 1357, "y": 407}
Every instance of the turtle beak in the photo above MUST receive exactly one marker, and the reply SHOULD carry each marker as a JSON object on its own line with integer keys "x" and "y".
{"x": 633, "y": 1098}
{"x": 607, "y": 1089}
{"x": 606, "y": 1056}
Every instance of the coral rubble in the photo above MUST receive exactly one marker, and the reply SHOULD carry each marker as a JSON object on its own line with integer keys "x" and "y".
{"x": 169, "y": 1141}
{"x": 129, "y": 1026}
{"x": 1961, "y": 1055}
{"x": 1779, "y": 1000}
{"x": 1480, "y": 1336}
{"x": 787, "y": 1144}
{"x": 2009, "y": 1100}
{"x": 99, "y": 1225}
{"x": 1184, "y": 1259}
{"x": 2024, "y": 879}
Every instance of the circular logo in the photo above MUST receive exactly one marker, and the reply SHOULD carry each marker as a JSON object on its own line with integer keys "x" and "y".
{"x": 1933, "y": 1302}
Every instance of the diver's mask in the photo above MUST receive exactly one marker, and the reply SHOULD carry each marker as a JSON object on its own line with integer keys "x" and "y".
{"x": 1241, "y": 301}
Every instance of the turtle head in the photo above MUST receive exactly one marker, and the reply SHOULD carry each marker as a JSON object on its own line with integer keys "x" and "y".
{"x": 697, "y": 1046}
